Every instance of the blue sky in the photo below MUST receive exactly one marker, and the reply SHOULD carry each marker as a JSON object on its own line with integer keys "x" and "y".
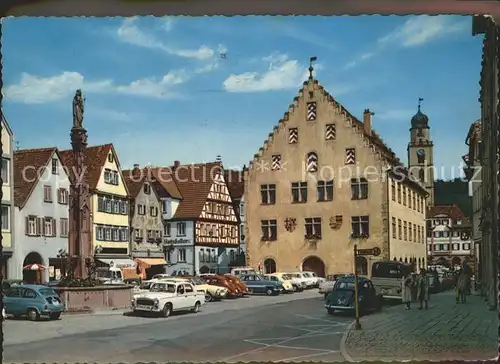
{"x": 158, "y": 89}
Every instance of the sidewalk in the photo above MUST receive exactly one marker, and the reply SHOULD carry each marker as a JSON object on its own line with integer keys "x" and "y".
{"x": 446, "y": 331}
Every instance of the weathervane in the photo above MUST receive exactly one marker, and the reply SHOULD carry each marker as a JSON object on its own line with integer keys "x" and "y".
{"x": 311, "y": 68}
{"x": 420, "y": 102}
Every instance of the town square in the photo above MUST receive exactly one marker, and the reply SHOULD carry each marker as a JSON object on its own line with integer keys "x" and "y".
{"x": 198, "y": 189}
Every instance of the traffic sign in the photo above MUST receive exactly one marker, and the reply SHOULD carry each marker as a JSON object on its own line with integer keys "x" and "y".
{"x": 373, "y": 251}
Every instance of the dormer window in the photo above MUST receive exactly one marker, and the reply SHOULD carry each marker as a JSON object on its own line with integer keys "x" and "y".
{"x": 147, "y": 189}
{"x": 55, "y": 169}
{"x": 111, "y": 159}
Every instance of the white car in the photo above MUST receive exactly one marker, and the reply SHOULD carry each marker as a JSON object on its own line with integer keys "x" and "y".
{"x": 314, "y": 278}
{"x": 165, "y": 297}
{"x": 310, "y": 280}
{"x": 299, "y": 280}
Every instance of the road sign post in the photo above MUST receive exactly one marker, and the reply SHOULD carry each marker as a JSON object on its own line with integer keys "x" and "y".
{"x": 360, "y": 252}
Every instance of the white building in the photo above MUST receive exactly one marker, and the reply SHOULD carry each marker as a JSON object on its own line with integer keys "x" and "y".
{"x": 8, "y": 221}
{"x": 181, "y": 258}
{"x": 41, "y": 196}
{"x": 449, "y": 236}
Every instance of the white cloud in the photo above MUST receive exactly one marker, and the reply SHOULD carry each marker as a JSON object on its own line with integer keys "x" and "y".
{"x": 422, "y": 29}
{"x": 357, "y": 61}
{"x": 36, "y": 90}
{"x": 128, "y": 32}
{"x": 283, "y": 73}
{"x": 109, "y": 115}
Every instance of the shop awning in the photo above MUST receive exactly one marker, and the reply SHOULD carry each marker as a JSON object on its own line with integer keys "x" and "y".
{"x": 119, "y": 263}
{"x": 148, "y": 262}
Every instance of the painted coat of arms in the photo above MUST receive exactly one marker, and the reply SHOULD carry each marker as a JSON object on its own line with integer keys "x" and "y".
{"x": 290, "y": 224}
{"x": 335, "y": 222}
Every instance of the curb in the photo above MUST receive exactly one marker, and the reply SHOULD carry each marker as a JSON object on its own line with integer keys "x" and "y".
{"x": 343, "y": 349}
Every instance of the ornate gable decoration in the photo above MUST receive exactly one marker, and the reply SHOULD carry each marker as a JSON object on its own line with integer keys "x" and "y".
{"x": 372, "y": 140}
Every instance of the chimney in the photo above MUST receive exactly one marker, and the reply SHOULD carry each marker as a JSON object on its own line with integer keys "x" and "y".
{"x": 176, "y": 164}
{"x": 218, "y": 159}
{"x": 136, "y": 166}
{"x": 136, "y": 169}
{"x": 367, "y": 121}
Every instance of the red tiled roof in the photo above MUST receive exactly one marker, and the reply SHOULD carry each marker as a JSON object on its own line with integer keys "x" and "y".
{"x": 165, "y": 180}
{"x": 95, "y": 158}
{"x": 452, "y": 211}
{"x": 28, "y": 167}
{"x": 194, "y": 182}
{"x": 134, "y": 181}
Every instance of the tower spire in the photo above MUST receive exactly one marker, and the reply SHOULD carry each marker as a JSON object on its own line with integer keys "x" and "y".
{"x": 311, "y": 68}
{"x": 420, "y": 102}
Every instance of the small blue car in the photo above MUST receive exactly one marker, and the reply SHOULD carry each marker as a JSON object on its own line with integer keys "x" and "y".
{"x": 32, "y": 301}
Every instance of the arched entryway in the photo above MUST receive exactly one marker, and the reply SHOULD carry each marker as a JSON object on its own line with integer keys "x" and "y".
{"x": 314, "y": 264}
{"x": 456, "y": 261}
{"x": 204, "y": 270}
{"x": 269, "y": 266}
{"x": 33, "y": 276}
{"x": 361, "y": 266}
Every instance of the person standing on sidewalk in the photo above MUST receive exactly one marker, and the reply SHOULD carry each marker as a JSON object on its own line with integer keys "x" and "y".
{"x": 423, "y": 289}
{"x": 406, "y": 284}
{"x": 462, "y": 286}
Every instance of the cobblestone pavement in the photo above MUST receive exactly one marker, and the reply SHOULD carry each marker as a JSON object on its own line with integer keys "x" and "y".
{"x": 19, "y": 331}
{"x": 445, "y": 331}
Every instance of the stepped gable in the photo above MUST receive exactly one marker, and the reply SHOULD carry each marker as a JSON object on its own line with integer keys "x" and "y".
{"x": 94, "y": 159}
{"x": 194, "y": 182}
{"x": 372, "y": 140}
{"x": 29, "y": 165}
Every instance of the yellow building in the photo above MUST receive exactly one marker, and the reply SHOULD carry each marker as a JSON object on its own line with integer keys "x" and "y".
{"x": 7, "y": 194}
{"x": 110, "y": 204}
{"x": 319, "y": 185}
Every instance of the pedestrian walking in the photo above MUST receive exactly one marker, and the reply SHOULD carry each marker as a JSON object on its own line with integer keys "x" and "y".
{"x": 423, "y": 289}
{"x": 462, "y": 287}
{"x": 406, "y": 285}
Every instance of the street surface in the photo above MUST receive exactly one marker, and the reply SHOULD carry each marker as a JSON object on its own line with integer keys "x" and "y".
{"x": 284, "y": 328}
{"x": 446, "y": 331}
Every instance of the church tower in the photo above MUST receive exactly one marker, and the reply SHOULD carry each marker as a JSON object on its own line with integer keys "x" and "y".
{"x": 421, "y": 152}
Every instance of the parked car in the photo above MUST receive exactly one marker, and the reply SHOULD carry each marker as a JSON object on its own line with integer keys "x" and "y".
{"x": 33, "y": 301}
{"x": 166, "y": 297}
{"x": 309, "y": 282}
{"x": 327, "y": 285}
{"x": 238, "y": 283}
{"x": 298, "y": 281}
{"x": 211, "y": 292}
{"x": 314, "y": 278}
{"x": 258, "y": 284}
{"x": 284, "y": 279}
{"x": 222, "y": 281}
{"x": 342, "y": 298}
{"x": 238, "y": 271}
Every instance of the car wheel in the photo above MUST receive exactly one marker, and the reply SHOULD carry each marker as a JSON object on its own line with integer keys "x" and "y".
{"x": 331, "y": 311}
{"x": 55, "y": 315}
{"x": 196, "y": 307}
{"x": 269, "y": 292}
{"x": 167, "y": 310}
{"x": 33, "y": 314}
{"x": 208, "y": 297}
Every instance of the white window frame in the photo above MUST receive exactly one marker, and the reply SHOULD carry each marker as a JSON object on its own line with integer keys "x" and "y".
{"x": 55, "y": 166}
{"x": 181, "y": 255}
{"x": 181, "y": 229}
{"x": 32, "y": 225}
{"x": 64, "y": 227}
{"x": 6, "y": 227}
{"x": 47, "y": 193}
{"x": 6, "y": 171}
{"x": 47, "y": 227}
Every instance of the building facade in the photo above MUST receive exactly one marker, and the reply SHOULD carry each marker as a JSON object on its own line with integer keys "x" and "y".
{"x": 8, "y": 221}
{"x": 318, "y": 187}
{"x": 407, "y": 210}
{"x": 110, "y": 205}
{"x": 488, "y": 27}
{"x": 421, "y": 153}
{"x": 450, "y": 240}
{"x": 236, "y": 185}
{"x": 146, "y": 223}
{"x": 41, "y": 197}
{"x": 472, "y": 172}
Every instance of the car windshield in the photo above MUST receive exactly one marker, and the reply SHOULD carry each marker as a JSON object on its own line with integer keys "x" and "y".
{"x": 103, "y": 274}
{"x": 286, "y": 277}
{"x": 47, "y": 292}
{"x": 196, "y": 281}
{"x": 145, "y": 285}
{"x": 296, "y": 275}
{"x": 344, "y": 285}
{"x": 313, "y": 275}
{"x": 162, "y": 287}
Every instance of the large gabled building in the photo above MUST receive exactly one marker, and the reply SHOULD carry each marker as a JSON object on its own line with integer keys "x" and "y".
{"x": 8, "y": 221}
{"x": 323, "y": 182}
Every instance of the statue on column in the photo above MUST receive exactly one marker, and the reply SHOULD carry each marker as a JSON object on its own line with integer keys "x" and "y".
{"x": 78, "y": 110}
